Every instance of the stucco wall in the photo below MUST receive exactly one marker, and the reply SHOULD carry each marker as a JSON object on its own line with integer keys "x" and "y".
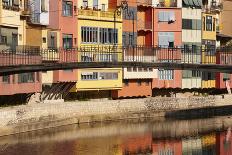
{"x": 99, "y": 84}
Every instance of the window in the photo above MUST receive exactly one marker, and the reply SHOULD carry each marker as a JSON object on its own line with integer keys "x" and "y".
{"x": 108, "y": 35}
{"x": 140, "y": 69}
{"x": 108, "y": 76}
{"x": 44, "y": 40}
{"x": 89, "y": 76}
{"x": 134, "y": 69}
{"x": 166, "y": 16}
{"x": 3, "y": 40}
{"x": 126, "y": 82}
{"x": 191, "y": 24}
{"x": 203, "y": 23}
{"x": 6, "y": 79}
{"x": 44, "y": 6}
{"x": 68, "y": 70}
{"x": 171, "y": 44}
{"x": 37, "y": 76}
{"x": 226, "y": 76}
{"x": 129, "y": 69}
{"x": 166, "y": 39}
{"x": 208, "y": 76}
{"x": 89, "y": 34}
{"x": 67, "y": 8}
{"x": 208, "y": 23}
{"x": 95, "y": 4}
{"x": 150, "y": 69}
{"x": 67, "y": 41}
{"x": 26, "y": 77}
{"x": 85, "y": 3}
{"x": 52, "y": 41}
{"x": 166, "y": 74}
{"x": 147, "y": 82}
{"x": 196, "y": 73}
{"x": 187, "y": 74}
{"x": 130, "y": 39}
{"x": 103, "y": 7}
{"x": 139, "y": 82}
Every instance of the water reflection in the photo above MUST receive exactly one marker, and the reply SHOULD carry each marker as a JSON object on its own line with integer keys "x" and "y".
{"x": 180, "y": 137}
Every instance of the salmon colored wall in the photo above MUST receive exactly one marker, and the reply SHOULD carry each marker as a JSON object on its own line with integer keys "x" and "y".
{"x": 64, "y": 76}
{"x": 175, "y": 27}
{"x": 128, "y": 26}
{"x": 20, "y": 88}
{"x": 164, "y": 26}
{"x": 133, "y": 90}
{"x": 175, "y": 83}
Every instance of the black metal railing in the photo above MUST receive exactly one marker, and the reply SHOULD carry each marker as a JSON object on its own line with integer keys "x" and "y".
{"x": 28, "y": 55}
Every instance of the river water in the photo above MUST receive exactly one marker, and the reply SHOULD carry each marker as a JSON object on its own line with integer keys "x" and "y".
{"x": 210, "y": 136}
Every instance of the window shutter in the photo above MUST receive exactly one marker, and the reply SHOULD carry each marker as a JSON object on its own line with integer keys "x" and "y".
{"x": 161, "y": 16}
{"x": 171, "y": 37}
{"x": 171, "y": 16}
{"x": 166, "y": 16}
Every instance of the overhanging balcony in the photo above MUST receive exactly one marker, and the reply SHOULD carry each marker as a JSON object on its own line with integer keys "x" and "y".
{"x": 26, "y": 10}
{"x": 97, "y": 15}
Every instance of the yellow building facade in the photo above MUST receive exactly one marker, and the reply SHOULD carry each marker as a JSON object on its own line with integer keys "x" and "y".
{"x": 97, "y": 36}
{"x": 12, "y": 25}
{"x": 208, "y": 48}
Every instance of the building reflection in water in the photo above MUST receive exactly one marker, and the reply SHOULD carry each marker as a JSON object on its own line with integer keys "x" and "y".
{"x": 115, "y": 139}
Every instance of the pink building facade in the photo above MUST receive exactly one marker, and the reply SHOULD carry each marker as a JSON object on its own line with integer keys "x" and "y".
{"x": 63, "y": 18}
{"x": 24, "y": 83}
{"x": 167, "y": 32}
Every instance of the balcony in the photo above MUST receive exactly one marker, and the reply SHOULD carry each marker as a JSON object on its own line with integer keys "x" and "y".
{"x": 7, "y": 6}
{"x": 216, "y": 8}
{"x": 26, "y": 10}
{"x": 97, "y": 15}
{"x": 144, "y": 3}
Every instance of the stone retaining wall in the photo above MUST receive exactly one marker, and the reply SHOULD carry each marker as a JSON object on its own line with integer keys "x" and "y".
{"x": 38, "y": 116}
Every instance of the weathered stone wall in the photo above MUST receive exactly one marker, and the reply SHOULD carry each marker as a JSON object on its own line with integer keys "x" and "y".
{"x": 38, "y": 116}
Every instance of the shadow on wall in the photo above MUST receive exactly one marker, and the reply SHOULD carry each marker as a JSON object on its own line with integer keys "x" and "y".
{"x": 13, "y": 100}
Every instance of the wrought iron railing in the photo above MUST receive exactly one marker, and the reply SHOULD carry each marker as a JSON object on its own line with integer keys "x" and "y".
{"x": 28, "y": 55}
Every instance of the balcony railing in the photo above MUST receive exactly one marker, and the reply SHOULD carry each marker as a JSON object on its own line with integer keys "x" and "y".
{"x": 6, "y": 6}
{"x": 89, "y": 14}
{"x": 26, "y": 9}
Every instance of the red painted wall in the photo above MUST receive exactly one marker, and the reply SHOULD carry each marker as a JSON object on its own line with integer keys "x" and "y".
{"x": 223, "y": 58}
{"x": 20, "y": 88}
